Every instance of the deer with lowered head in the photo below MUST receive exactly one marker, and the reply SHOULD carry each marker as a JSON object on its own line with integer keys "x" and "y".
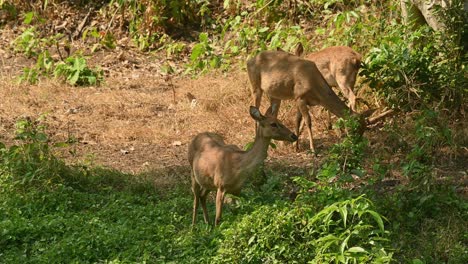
{"x": 284, "y": 76}
{"x": 339, "y": 65}
{"x": 224, "y": 168}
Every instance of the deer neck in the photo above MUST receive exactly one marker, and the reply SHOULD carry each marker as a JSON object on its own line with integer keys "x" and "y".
{"x": 258, "y": 153}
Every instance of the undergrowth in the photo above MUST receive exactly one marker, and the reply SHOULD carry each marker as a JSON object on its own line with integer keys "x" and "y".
{"x": 53, "y": 212}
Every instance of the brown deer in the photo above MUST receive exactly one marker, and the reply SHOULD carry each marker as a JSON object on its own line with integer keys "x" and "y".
{"x": 284, "y": 76}
{"x": 339, "y": 66}
{"x": 224, "y": 168}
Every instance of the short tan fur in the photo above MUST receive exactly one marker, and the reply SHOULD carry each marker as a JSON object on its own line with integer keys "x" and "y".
{"x": 224, "y": 168}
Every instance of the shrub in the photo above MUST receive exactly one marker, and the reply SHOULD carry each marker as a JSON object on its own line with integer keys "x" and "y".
{"x": 348, "y": 231}
{"x": 30, "y": 162}
{"x": 429, "y": 73}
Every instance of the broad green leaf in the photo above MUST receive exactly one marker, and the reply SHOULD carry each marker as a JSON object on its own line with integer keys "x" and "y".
{"x": 344, "y": 244}
{"x": 28, "y": 18}
{"x": 73, "y": 79}
{"x": 197, "y": 51}
{"x": 377, "y": 218}
{"x": 344, "y": 214}
{"x": 357, "y": 250}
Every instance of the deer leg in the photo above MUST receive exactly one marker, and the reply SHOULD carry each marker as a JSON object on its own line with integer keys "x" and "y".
{"x": 352, "y": 100}
{"x": 329, "y": 124}
{"x": 219, "y": 205}
{"x": 196, "y": 197}
{"x": 298, "y": 128}
{"x": 203, "y": 197}
{"x": 274, "y": 107}
{"x": 304, "y": 109}
{"x": 257, "y": 97}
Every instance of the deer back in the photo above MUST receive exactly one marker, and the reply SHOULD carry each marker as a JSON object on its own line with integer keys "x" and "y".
{"x": 282, "y": 75}
{"x": 339, "y": 62}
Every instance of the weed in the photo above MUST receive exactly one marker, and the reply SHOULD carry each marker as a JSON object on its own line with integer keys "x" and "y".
{"x": 76, "y": 72}
{"x": 32, "y": 161}
{"x": 345, "y": 159}
{"x": 43, "y": 67}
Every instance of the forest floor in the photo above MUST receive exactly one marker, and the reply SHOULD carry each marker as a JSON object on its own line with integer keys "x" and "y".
{"x": 138, "y": 120}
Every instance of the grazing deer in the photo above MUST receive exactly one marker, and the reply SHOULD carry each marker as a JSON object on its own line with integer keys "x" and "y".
{"x": 284, "y": 76}
{"x": 339, "y": 66}
{"x": 224, "y": 168}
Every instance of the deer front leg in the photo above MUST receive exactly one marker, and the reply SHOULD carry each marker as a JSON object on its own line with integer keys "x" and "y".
{"x": 257, "y": 97}
{"x": 304, "y": 109}
{"x": 219, "y": 205}
{"x": 346, "y": 84}
{"x": 274, "y": 107}
{"x": 298, "y": 128}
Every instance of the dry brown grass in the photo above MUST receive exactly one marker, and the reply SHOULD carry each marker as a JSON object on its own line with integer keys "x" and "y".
{"x": 133, "y": 122}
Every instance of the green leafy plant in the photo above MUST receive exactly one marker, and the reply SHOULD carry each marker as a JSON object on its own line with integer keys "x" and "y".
{"x": 429, "y": 75}
{"x": 430, "y": 134}
{"x": 348, "y": 231}
{"x": 76, "y": 72}
{"x": 31, "y": 161}
{"x": 43, "y": 67}
{"x": 28, "y": 42}
{"x": 101, "y": 39}
{"x": 346, "y": 157}
{"x": 203, "y": 56}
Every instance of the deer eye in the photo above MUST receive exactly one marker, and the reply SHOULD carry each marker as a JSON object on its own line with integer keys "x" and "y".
{"x": 274, "y": 125}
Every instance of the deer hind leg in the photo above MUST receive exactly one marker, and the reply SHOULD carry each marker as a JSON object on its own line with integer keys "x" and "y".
{"x": 219, "y": 205}
{"x": 304, "y": 109}
{"x": 196, "y": 198}
{"x": 329, "y": 123}
{"x": 203, "y": 196}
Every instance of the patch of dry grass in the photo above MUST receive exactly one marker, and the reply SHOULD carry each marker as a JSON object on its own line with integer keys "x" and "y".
{"x": 133, "y": 122}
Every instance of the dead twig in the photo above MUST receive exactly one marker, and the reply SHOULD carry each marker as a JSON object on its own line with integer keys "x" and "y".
{"x": 375, "y": 119}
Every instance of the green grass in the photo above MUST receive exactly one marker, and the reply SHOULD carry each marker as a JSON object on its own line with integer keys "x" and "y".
{"x": 69, "y": 224}
{"x": 109, "y": 216}
{"x": 54, "y": 213}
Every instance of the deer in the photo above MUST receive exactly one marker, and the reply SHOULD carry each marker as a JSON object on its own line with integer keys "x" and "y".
{"x": 284, "y": 76}
{"x": 339, "y": 65}
{"x": 224, "y": 168}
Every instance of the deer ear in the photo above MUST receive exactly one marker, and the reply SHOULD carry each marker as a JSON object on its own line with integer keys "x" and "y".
{"x": 255, "y": 113}
{"x": 299, "y": 49}
{"x": 272, "y": 111}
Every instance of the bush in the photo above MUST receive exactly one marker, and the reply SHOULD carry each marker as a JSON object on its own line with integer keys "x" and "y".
{"x": 31, "y": 162}
{"x": 428, "y": 74}
{"x": 348, "y": 231}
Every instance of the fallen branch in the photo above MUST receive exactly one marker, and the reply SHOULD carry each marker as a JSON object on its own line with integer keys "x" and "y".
{"x": 375, "y": 119}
